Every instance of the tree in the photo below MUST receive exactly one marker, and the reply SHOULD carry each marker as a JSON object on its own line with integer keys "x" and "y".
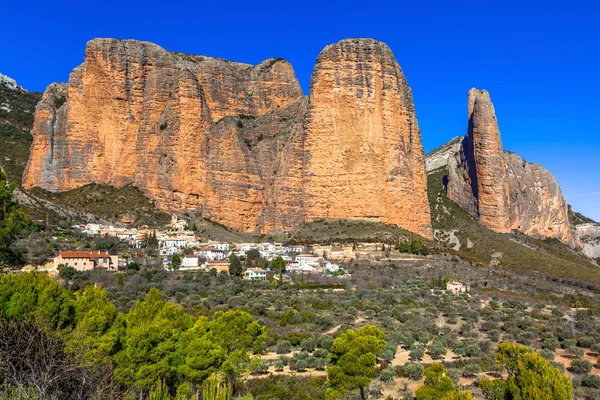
{"x": 354, "y": 355}
{"x": 437, "y": 384}
{"x": 235, "y": 266}
{"x": 252, "y": 257}
{"x": 530, "y": 377}
{"x": 214, "y": 388}
{"x": 414, "y": 371}
{"x": 28, "y": 295}
{"x": 417, "y": 352}
{"x": 278, "y": 265}
{"x": 13, "y": 223}
{"x": 176, "y": 262}
{"x": 579, "y": 366}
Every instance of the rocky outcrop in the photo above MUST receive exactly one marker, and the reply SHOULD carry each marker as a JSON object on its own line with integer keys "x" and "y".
{"x": 589, "y": 234}
{"x": 363, "y": 153}
{"x": 238, "y": 142}
{"x": 438, "y": 158}
{"x": 501, "y": 189}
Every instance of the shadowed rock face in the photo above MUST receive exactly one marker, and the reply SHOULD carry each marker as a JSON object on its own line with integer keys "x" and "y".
{"x": 238, "y": 142}
{"x": 501, "y": 189}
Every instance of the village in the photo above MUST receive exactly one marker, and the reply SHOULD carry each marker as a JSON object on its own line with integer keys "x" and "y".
{"x": 180, "y": 248}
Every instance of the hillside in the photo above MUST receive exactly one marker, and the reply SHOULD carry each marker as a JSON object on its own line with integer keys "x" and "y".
{"x": 17, "y": 108}
{"x": 515, "y": 251}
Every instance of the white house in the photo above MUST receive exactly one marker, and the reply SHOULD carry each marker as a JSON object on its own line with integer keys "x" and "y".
{"x": 457, "y": 287}
{"x": 246, "y": 247}
{"x": 168, "y": 251}
{"x": 330, "y": 267}
{"x": 190, "y": 261}
{"x": 221, "y": 246}
{"x": 306, "y": 259}
{"x": 212, "y": 253}
{"x": 255, "y": 274}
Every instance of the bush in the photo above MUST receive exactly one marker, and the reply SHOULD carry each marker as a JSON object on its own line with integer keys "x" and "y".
{"x": 579, "y": 366}
{"x": 387, "y": 375}
{"x": 325, "y": 342}
{"x": 437, "y": 350}
{"x": 321, "y": 353}
{"x": 301, "y": 365}
{"x": 471, "y": 370}
{"x": 417, "y": 352}
{"x": 283, "y": 347}
{"x": 308, "y": 344}
{"x": 576, "y": 351}
{"x": 413, "y": 371}
{"x": 591, "y": 381}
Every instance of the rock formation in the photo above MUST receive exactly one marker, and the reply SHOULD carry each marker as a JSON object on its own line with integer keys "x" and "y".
{"x": 501, "y": 189}
{"x": 238, "y": 142}
{"x": 363, "y": 153}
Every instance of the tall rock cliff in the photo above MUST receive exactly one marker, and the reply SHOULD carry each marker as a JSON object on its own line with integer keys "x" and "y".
{"x": 501, "y": 189}
{"x": 363, "y": 153}
{"x": 238, "y": 142}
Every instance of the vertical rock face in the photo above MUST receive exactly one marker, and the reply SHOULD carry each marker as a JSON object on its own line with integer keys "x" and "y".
{"x": 238, "y": 142}
{"x": 501, "y": 189}
{"x": 363, "y": 154}
{"x": 488, "y": 175}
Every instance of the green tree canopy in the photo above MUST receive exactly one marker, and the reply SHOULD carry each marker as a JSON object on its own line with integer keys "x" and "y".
{"x": 438, "y": 385}
{"x": 33, "y": 295}
{"x": 278, "y": 265}
{"x": 13, "y": 223}
{"x": 354, "y": 355}
{"x": 235, "y": 266}
{"x": 530, "y": 377}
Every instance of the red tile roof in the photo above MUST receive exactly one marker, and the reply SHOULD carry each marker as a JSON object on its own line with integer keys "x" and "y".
{"x": 83, "y": 254}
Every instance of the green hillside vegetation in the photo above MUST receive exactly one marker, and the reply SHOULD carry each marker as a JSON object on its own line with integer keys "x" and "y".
{"x": 518, "y": 252}
{"x": 578, "y": 219}
{"x": 324, "y": 231}
{"x": 109, "y": 203}
{"x": 16, "y": 119}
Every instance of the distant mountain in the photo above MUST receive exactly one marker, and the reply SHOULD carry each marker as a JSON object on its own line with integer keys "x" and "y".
{"x": 17, "y": 108}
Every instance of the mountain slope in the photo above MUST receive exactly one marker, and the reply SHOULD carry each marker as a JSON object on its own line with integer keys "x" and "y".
{"x": 17, "y": 108}
{"x": 477, "y": 243}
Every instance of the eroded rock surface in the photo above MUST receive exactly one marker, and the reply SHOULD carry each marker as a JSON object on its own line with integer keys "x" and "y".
{"x": 363, "y": 153}
{"x": 501, "y": 189}
{"x": 238, "y": 142}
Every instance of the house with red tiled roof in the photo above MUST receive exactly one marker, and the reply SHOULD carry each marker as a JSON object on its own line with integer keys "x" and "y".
{"x": 87, "y": 260}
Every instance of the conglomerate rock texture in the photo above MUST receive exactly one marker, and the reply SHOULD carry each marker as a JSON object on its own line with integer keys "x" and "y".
{"x": 240, "y": 143}
{"x": 500, "y": 188}
{"x": 363, "y": 153}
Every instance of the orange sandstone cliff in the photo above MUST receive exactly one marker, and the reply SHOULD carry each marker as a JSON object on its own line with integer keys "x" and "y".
{"x": 499, "y": 188}
{"x": 237, "y": 142}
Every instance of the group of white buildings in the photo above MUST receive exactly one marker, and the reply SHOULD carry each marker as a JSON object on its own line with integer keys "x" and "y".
{"x": 198, "y": 255}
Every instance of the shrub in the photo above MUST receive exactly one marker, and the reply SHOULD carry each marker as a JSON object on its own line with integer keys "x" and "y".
{"x": 283, "y": 347}
{"x": 591, "y": 381}
{"x": 417, "y": 352}
{"x": 413, "y": 371}
{"x": 576, "y": 351}
{"x": 471, "y": 370}
{"x": 308, "y": 344}
{"x": 387, "y": 375}
{"x": 325, "y": 342}
{"x": 301, "y": 365}
{"x": 579, "y": 366}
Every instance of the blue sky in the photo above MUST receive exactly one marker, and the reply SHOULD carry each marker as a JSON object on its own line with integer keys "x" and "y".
{"x": 540, "y": 60}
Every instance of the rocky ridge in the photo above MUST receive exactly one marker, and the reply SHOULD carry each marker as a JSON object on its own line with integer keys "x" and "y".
{"x": 499, "y": 188}
{"x": 240, "y": 143}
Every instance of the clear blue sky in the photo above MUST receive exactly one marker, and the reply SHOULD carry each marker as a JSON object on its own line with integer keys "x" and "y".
{"x": 540, "y": 60}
